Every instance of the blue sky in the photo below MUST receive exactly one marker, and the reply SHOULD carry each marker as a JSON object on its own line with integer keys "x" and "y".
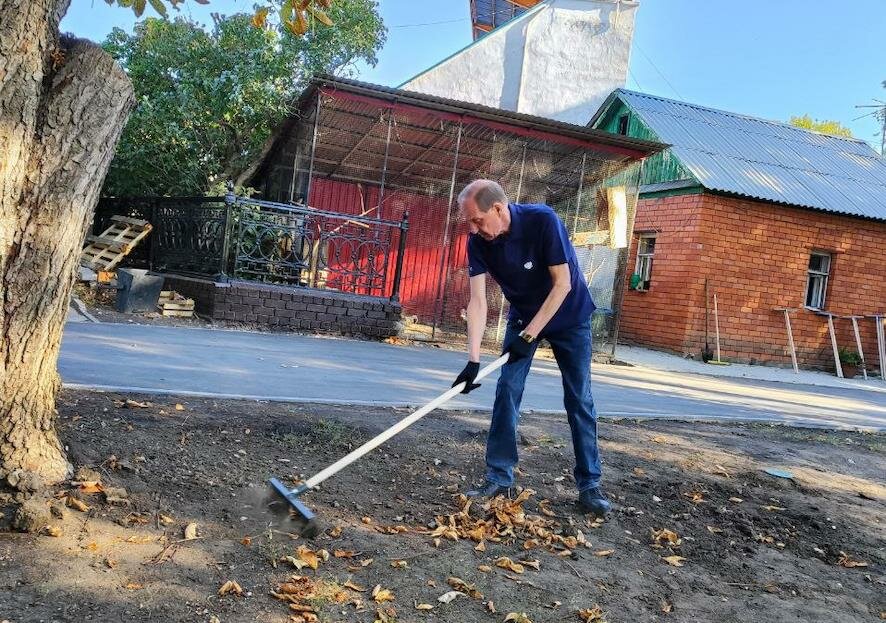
{"x": 757, "y": 57}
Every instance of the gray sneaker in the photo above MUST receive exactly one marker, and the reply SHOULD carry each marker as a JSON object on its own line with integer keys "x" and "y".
{"x": 490, "y": 490}
{"x": 593, "y": 502}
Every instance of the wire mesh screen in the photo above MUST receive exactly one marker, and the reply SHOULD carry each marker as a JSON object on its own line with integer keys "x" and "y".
{"x": 359, "y": 155}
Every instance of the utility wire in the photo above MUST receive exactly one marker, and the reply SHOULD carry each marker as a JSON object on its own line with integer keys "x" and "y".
{"x": 445, "y": 21}
{"x": 655, "y": 67}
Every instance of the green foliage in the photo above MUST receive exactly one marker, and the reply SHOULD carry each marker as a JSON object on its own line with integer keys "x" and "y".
{"x": 848, "y": 356}
{"x": 834, "y": 128}
{"x": 209, "y": 99}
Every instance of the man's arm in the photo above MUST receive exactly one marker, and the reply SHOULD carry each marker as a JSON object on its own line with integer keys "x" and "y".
{"x": 476, "y": 316}
{"x": 561, "y": 287}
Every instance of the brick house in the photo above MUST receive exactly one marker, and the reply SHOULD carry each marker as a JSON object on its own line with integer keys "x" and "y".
{"x": 767, "y": 216}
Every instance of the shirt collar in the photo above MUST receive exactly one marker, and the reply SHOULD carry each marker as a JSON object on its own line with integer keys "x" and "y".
{"x": 516, "y": 227}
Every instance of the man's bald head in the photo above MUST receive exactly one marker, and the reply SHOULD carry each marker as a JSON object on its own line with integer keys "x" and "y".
{"x": 485, "y": 207}
{"x": 485, "y": 193}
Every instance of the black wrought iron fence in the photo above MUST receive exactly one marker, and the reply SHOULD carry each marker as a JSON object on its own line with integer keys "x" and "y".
{"x": 287, "y": 244}
{"x": 297, "y": 245}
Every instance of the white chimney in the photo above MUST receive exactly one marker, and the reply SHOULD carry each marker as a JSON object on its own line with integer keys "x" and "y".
{"x": 558, "y": 60}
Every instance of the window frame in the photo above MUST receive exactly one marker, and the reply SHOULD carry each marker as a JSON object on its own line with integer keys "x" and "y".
{"x": 624, "y": 123}
{"x": 821, "y": 278}
{"x": 644, "y": 261}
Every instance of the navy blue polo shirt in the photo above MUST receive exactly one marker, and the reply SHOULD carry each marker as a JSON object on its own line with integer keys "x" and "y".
{"x": 519, "y": 262}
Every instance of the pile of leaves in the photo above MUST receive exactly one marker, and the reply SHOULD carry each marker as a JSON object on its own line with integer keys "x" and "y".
{"x": 505, "y": 520}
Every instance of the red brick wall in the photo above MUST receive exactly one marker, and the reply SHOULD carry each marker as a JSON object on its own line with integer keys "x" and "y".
{"x": 755, "y": 256}
{"x": 661, "y": 315}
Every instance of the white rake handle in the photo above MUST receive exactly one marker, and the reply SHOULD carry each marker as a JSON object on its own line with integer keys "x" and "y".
{"x": 409, "y": 420}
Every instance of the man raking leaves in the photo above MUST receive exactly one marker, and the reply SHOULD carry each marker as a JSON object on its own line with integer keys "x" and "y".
{"x": 526, "y": 249}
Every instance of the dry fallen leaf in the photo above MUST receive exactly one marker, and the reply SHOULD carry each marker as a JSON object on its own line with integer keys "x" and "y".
{"x": 53, "y": 531}
{"x": 354, "y": 587}
{"x": 484, "y": 568}
{"x": 719, "y": 469}
{"x": 380, "y": 594}
{"x": 462, "y": 586}
{"x": 90, "y": 486}
{"x": 665, "y": 537}
{"x": 674, "y": 561}
{"x": 424, "y": 607}
{"x": 230, "y": 587}
{"x": 298, "y": 563}
{"x": 308, "y": 556}
{"x": 246, "y": 540}
{"x": 604, "y": 552}
{"x": 592, "y": 615}
{"x": 133, "y": 586}
{"x": 666, "y": 606}
{"x": 141, "y": 540}
{"x": 73, "y": 502}
{"x": 659, "y": 439}
{"x": 366, "y": 562}
{"x": 179, "y": 406}
{"x": 190, "y": 531}
{"x": 335, "y": 532}
{"x": 490, "y": 606}
{"x": 535, "y": 564}
{"x": 639, "y": 471}
{"x": 445, "y": 598}
{"x": 366, "y": 520}
{"x": 736, "y": 500}
{"x": 165, "y": 520}
{"x": 543, "y": 507}
{"x": 131, "y": 404}
{"x": 399, "y": 564}
{"x": 506, "y": 563}
{"x": 481, "y": 546}
{"x": 769, "y": 507}
{"x": 714, "y": 530}
{"x": 344, "y": 553}
{"x": 846, "y": 561}
{"x": 517, "y": 617}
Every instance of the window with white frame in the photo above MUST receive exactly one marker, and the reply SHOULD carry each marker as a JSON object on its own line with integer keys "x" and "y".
{"x": 645, "y": 251}
{"x": 817, "y": 282}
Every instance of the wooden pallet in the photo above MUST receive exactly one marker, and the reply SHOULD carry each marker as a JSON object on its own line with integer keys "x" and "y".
{"x": 172, "y": 303}
{"x": 105, "y": 251}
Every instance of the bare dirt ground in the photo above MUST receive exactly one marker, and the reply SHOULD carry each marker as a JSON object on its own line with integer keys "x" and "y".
{"x": 700, "y": 532}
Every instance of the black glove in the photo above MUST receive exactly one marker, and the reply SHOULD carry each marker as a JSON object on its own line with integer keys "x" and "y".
{"x": 467, "y": 377}
{"x": 518, "y": 348}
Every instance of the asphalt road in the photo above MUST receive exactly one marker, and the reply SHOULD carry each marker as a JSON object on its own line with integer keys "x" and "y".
{"x": 239, "y": 364}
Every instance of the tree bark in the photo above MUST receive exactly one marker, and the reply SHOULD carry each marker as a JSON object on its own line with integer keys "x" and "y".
{"x": 63, "y": 104}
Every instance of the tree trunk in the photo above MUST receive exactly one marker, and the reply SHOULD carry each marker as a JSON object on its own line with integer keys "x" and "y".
{"x": 63, "y": 104}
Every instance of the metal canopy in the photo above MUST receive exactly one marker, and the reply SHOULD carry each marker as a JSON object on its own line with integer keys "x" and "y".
{"x": 487, "y": 15}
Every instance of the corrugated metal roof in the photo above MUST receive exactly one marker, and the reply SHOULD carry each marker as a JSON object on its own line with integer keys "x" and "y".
{"x": 761, "y": 159}
{"x": 490, "y": 14}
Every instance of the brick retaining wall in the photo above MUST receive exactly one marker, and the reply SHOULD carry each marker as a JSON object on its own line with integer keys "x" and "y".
{"x": 290, "y": 308}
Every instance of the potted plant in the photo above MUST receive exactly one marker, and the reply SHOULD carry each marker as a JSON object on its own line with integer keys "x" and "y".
{"x": 849, "y": 360}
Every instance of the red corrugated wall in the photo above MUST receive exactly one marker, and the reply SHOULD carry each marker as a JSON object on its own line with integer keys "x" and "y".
{"x": 420, "y": 283}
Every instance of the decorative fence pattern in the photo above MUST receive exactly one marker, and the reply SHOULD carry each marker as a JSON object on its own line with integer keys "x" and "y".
{"x": 235, "y": 237}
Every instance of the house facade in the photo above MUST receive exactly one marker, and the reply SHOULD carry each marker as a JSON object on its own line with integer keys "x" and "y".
{"x": 763, "y": 215}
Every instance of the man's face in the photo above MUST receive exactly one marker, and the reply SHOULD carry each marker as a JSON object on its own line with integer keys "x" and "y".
{"x": 489, "y": 225}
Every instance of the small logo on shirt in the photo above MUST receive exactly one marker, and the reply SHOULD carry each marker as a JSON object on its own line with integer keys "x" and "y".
{"x": 528, "y": 265}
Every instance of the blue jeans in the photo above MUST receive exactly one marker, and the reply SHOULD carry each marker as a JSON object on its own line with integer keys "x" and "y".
{"x": 572, "y": 350}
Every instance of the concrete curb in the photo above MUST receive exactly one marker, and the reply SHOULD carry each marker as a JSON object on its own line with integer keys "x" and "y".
{"x": 615, "y": 415}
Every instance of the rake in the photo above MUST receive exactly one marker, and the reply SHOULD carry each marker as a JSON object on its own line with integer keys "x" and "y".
{"x": 291, "y": 497}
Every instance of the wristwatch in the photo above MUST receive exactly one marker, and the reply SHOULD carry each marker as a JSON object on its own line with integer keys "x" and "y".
{"x": 529, "y": 339}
